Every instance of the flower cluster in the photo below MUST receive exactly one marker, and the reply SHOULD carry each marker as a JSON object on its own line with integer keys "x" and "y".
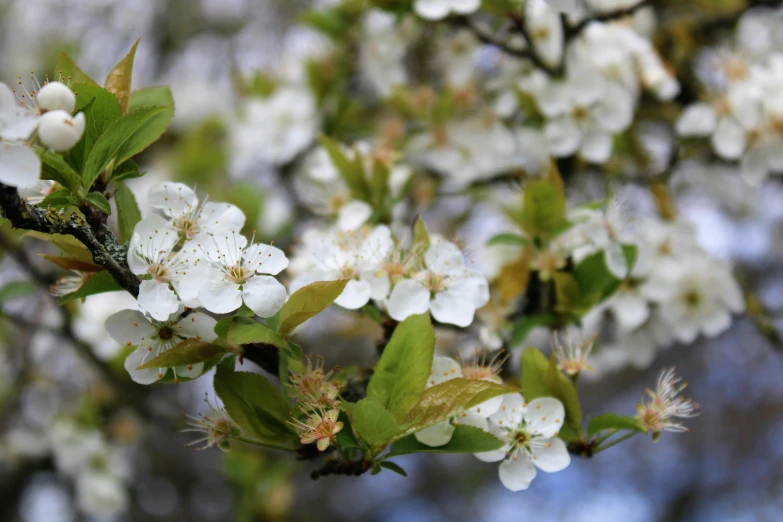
{"x": 402, "y": 278}
{"x": 741, "y": 108}
{"x": 41, "y": 115}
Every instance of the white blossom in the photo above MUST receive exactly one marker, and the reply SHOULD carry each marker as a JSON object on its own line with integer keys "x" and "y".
{"x": 439, "y": 9}
{"x": 194, "y": 221}
{"x": 230, "y": 273}
{"x": 530, "y": 436}
{"x": 152, "y": 338}
{"x": 445, "y": 287}
{"x": 275, "y": 129}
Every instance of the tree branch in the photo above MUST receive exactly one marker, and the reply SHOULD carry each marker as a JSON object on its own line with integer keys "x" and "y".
{"x": 107, "y": 253}
{"x": 573, "y": 32}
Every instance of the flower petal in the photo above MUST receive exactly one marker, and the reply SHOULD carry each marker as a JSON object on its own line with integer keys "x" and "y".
{"x": 545, "y": 416}
{"x": 443, "y": 369}
{"x": 408, "y": 298}
{"x": 220, "y": 297}
{"x": 197, "y": 325}
{"x": 129, "y": 327}
{"x": 517, "y": 473}
{"x": 355, "y": 295}
{"x": 436, "y": 435}
{"x": 553, "y": 456}
{"x": 136, "y": 359}
{"x": 157, "y": 299}
{"x": 19, "y": 165}
{"x": 353, "y": 215}
{"x": 264, "y": 295}
{"x": 174, "y": 199}
{"x": 265, "y": 259}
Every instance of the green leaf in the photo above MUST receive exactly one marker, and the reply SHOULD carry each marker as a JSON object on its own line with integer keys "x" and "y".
{"x": 128, "y": 213}
{"x": 351, "y": 170}
{"x": 596, "y": 282}
{"x": 154, "y": 127}
{"x": 99, "y": 201}
{"x": 16, "y": 289}
{"x": 57, "y": 169}
{"x": 98, "y": 284}
{"x": 391, "y": 466}
{"x": 118, "y": 82}
{"x": 222, "y": 327}
{"x": 126, "y": 170}
{"x": 254, "y": 403}
{"x": 188, "y": 352}
{"x": 70, "y": 71}
{"x": 67, "y": 244}
{"x": 610, "y": 421}
{"x": 567, "y": 293}
{"x": 59, "y": 198}
{"x": 70, "y": 263}
{"x": 373, "y": 423}
{"x": 563, "y": 389}
{"x": 449, "y": 398}
{"x": 117, "y": 144}
{"x": 534, "y": 369}
{"x": 345, "y": 437}
{"x": 524, "y": 326}
{"x": 308, "y": 302}
{"x": 101, "y": 109}
{"x": 401, "y": 375}
{"x": 421, "y": 237}
{"x": 246, "y": 331}
{"x": 465, "y": 439}
{"x": 379, "y": 185}
{"x": 331, "y": 22}
{"x": 508, "y": 239}
{"x": 544, "y": 209}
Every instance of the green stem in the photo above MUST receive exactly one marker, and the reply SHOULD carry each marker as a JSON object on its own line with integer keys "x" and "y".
{"x": 599, "y": 440}
{"x": 615, "y": 442}
{"x": 270, "y": 445}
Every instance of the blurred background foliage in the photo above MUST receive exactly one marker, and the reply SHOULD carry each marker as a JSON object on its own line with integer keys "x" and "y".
{"x": 728, "y": 468}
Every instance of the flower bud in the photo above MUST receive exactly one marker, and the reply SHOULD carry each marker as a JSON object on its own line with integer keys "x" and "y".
{"x": 56, "y": 96}
{"x": 59, "y": 131}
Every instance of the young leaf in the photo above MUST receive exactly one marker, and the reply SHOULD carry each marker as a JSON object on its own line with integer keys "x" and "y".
{"x": 70, "y": 263}
{"x": 117, "y": 144}
{"x": 16, "y": 289}
{"x": 245, "y": 331}
{"x": 563, "y": 389}
{"x": 254, "y": 403}
{"x": 101, "y": 109}
{"x": 128, "y": 213}
{"x": 421, "y": 237}
{"x": 67, "y": 244}
{"x": 465, "y": 439}
{"x": 373, "y": 423}
{"x": 308, "y": 302}
{"x": 508, "y": 239}
{"x": 57, "y": 169}
{"x": 59, "y": 198}
{"x": 544, "y": 209}
{"x": 153, "y": 128}
{"x": 351, "y": 170}
{"x": 99, "y": 201}
{"x": 450, "y": 398}
{"x": 189, "y": 351}
{"x": 534, "y": 368}
{"x": 98, "y": 284}
{"x": 118, "y": 82}
{"x": 610, "y": 421}
{"x": 401, "y": 374}
{"x": 70, "y": 71}
{"x": 596, "y": 282}
{"x": 126, "y": 170}
{"x": 391, "y": 466}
